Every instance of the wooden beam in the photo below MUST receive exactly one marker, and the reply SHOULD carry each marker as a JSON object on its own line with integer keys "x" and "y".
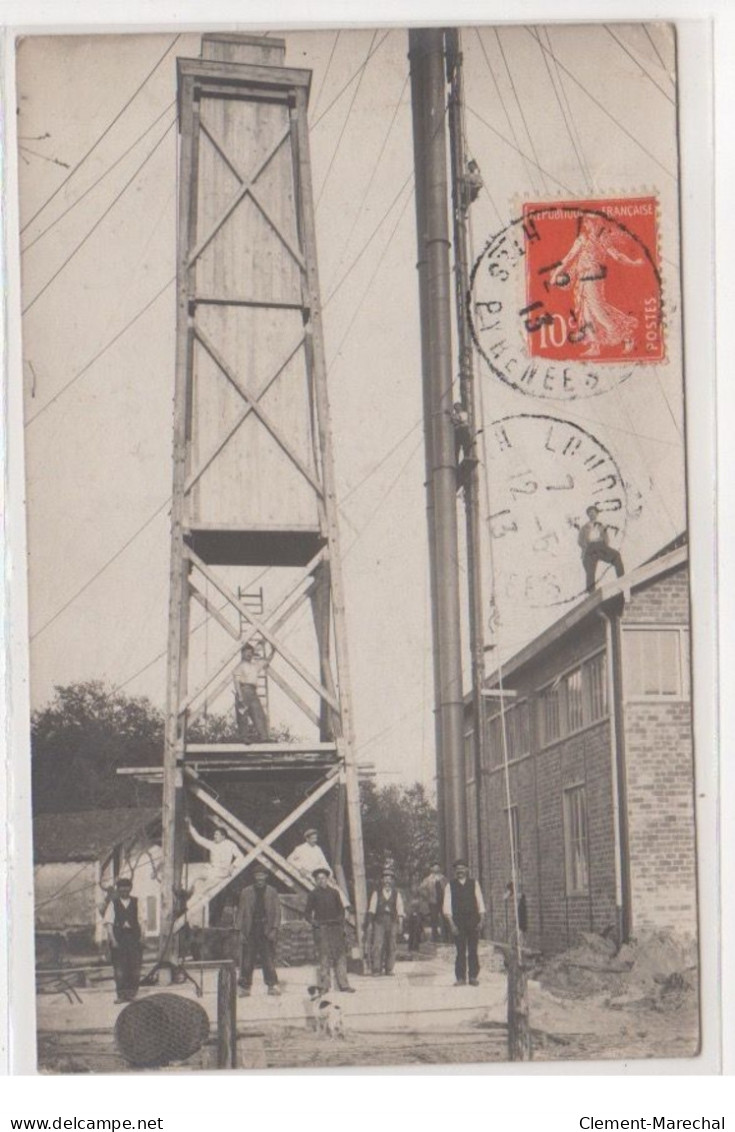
{"x": 300, "y": 151}
{"x": 260, "y": 627}
{"x": 257, "y": 408}
{"x": 208, "y": 895}
{"x": 278, "y": 863}
{"x": 275, "y": 626}
{"x": 214, "y": 612}
{"x": 193, "y": 479}
{"x": 246, "y": 183}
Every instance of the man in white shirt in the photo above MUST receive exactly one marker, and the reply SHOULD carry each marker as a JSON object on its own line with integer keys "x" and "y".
{"x": 309, "y": 856}
{"x": 464, "y": 909}
{"x": 248, "y": 708}
{"x": 224, "y": 854}
{"x": 594, "y": 543}
{"x": 122, "y": 926}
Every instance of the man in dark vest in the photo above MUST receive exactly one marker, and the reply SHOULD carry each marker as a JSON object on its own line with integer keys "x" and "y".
{"x": 464, "y": 909}
{"x": 124, "y": 936}
{"x": 385, "y": 916}
{"x": 258, "y": 920}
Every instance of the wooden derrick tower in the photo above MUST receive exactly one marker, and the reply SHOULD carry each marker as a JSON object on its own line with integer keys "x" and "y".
{"x": 253, "y": 470}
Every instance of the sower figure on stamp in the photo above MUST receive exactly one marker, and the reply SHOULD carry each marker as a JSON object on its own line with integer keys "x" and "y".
{"x": 124, "y": 937}
{"x": 325, "y": 912}
{"x": 386, "y": 915}
{"x": 248, "y": 708}
{"x": 594, "y": 541}
{"x": 464, "y": 909}
{"x": 258, "y": 921}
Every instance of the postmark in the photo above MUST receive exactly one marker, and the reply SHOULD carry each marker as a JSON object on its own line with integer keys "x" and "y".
{"x": 544, "y": 473}
{"x": 566, "y": 300}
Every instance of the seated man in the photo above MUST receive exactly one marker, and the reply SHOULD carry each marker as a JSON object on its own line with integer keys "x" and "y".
{"x": 224, "y": 857}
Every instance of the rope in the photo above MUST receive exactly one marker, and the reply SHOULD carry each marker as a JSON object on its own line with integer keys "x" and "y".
{"x": 101, "y": 178}
{"x": 486, "y": 483}
{"x": 355, "y": 93}
{"x": 97, "y": 222}
{"x": 104, "y": 134}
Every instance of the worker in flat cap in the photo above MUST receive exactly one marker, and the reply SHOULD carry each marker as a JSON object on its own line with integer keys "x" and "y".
{"x": 464, "y": 909}
{"x": 325, "y": 912}
{"x": 124, "y": 937}
{"x": 258, "y": 921}
{"x": 386, "y": 914}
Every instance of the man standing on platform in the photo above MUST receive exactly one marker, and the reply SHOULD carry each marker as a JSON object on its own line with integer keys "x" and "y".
{"x": 124, "y": 936}
{"x": 325, "y": 912}
{"x": 464, "y": 909}
{"x": 386, "y": 914}
{"x": 248, "y": 708}
{"x": 258, "y": 921}
{"x": 432, "y": 891}
{"x": 594, "y": 542}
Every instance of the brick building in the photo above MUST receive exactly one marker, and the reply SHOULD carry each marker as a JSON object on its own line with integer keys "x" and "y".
{"x": 598, "y": 804}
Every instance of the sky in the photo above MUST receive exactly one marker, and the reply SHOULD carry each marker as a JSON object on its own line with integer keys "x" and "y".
{"x": 558, "y": 114}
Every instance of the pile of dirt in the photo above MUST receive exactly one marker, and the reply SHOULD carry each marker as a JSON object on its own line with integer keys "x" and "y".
{"x": 657, "y": 971}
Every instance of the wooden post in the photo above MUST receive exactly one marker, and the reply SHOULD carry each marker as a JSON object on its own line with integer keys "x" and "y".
{"x": 314, "y": 334}
{"x": 226, "y": 1017}
{"x": 519, "y": 1030}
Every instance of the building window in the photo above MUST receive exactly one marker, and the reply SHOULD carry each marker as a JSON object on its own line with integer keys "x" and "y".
{"x": 596, "y": 674}
{"x": 574, "y": 702}
{"x": 575, "y": 840}
{"x": 550, "y": 714}
{"x": 517, "y": 734}
{"x": 656, "y": 663}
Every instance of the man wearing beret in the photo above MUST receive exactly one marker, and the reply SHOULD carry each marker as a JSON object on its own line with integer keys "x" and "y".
{"x": 325, "y": 912}
{"x": 464, "y": 909}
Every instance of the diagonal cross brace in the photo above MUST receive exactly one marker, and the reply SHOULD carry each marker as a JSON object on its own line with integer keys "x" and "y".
{"x": 262, "y": 628}
{"x": 286, "y": 871}
{"x": 254, "y": 404}
{"x": 276, "y": 617}
{"x": 247, "y": 188}
{"x": 196, "y": 476}
{"x": 257, "y": 851}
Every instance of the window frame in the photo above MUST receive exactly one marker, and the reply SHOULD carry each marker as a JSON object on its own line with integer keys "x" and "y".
{"x": 683, "y": 695}
{"x": 560, "y": 684}
{"x": 576, "y": 885}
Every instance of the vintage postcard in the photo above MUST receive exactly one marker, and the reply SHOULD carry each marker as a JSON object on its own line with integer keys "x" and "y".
{"x": 359, "y": 588}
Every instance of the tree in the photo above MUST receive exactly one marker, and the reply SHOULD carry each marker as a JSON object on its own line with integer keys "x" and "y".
{"x": 89, "y": 730}
{"x": 79, "y": 740}
{"x": 402, "y": 821}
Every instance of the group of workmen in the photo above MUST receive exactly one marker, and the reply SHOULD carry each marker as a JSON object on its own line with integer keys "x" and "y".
{"x": 451, "y": 909}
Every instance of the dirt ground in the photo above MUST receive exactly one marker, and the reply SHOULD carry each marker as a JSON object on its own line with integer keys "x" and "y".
{"x": 593, "y": 1002}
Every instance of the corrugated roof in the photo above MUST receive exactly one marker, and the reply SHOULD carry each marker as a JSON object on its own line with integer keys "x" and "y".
{"x": 87, "y": 835}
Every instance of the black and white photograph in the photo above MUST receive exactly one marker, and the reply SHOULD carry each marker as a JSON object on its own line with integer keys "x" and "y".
{"x": 359, "y": 605}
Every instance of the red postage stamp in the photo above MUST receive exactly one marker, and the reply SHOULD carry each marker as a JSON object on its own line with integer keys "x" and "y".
{"x": 593, "y": 288}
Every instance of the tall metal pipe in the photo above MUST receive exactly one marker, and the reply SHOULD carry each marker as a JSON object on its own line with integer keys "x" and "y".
{"x": 428, "y": 98}
{"x": 461, "y": 203}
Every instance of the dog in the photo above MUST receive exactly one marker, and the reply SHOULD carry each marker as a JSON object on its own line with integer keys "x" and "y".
{"x": 323, "y": 1015}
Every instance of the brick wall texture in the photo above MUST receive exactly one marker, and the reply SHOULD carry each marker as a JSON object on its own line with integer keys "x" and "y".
{"x": 658, "y": 792}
